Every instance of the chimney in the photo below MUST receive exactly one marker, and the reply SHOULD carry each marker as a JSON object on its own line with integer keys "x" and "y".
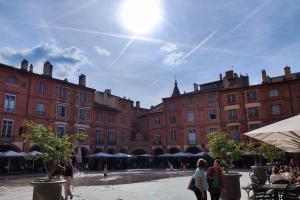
{"x": 31, "y": 68}
{"x": 107, "y": 91}
{"x": 264, "y": 76}
{"x": 287, "y": 73}
{"x": 196, "y": 88}
{"x": 48, "y": 68}
{"x": 229, "y": 74}
{"x": 24, "y": 65}
{"x": 82, "y": 79}
{"x": 137, "y": 104}
{"x": 221, "y": 78}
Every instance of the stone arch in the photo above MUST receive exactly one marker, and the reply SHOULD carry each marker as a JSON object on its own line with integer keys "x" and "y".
{"x": 97, "y": 150}
{"x": 9, "y": 147}
{"x": 35, "y": 148}
{"x": 193, "y": 149}
{"x": 123, "y": 150}
{"x": 138, "y": 151}
{"x": 173, "y": 150}
{"x": 84, "y": 153}
{"x": 111, "y": 150}
{"x": 158, "y": 151}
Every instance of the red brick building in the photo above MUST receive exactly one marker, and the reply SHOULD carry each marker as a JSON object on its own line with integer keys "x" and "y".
{"x": 114, "y": 124}
{"x": 183, "y": 121}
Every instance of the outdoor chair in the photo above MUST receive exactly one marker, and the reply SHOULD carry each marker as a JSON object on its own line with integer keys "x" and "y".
{"x": 293, "y": 192}
{"x": 259, "y": 193}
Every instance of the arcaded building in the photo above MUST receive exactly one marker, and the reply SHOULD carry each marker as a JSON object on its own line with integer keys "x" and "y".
{"x": 115, "y": 124}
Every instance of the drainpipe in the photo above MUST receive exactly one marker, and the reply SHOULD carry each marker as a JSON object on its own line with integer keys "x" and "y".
{"x": 291, "y": 101}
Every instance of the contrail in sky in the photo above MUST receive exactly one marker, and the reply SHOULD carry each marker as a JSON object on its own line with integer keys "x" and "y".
{"x": 123, "y": 50}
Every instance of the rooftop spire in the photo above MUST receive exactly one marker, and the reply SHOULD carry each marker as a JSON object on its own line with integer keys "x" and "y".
{"x": 176, "y": 91}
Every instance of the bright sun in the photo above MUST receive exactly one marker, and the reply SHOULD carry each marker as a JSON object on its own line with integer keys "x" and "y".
{"x": 140, "y": 16}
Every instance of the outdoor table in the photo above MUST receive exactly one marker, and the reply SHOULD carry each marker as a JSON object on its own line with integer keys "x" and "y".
{"x": 279, "y": 189}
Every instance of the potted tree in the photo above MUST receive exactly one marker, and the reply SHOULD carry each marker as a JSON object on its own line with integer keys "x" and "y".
{"x": 228, "y": 151}
{"x": 259, "y": 170}
{"x": 54, "y": 149}
{"x": 271, "y": 153}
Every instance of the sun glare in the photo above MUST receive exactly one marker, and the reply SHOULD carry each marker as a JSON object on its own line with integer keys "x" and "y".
{"x": 140, "y": 16}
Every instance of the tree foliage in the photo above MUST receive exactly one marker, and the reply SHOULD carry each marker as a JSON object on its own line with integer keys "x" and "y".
{"x": 221, "y": 147}
{"x": 270, "y": 152}
{"x": 55, "y": 149}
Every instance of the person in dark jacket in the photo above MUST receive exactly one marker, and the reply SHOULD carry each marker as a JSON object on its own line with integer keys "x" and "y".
{"x": 214, "y": 179}
{"x": 68, "y": 177}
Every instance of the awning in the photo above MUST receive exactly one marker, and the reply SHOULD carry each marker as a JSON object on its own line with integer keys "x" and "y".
{"x": 284, "y": 134}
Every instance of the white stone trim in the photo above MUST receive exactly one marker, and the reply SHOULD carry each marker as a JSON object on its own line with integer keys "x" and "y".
{"x": 250, "y": 105}
{"x": 232, "y": 107}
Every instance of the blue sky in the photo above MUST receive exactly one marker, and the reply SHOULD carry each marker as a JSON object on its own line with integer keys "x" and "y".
{"x": 194, "y": 40}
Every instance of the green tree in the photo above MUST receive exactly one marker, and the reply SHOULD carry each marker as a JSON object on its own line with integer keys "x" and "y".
{"x": 221, "y": 147}
{"x": 253, "y": 149}
{"x": 270, "y": 152}
{"x": 55, "y": 149}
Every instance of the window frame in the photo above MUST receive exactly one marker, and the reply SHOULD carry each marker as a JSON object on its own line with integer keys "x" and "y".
{"x": 6, "y": 128}
{"x": 10, "y": 110}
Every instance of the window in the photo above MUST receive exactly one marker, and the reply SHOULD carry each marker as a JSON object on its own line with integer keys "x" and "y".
{"x": 273, "y": 93}
{"x": 11, "y": 80}
{"x": 211, "y": 100}
{"x": 62, "y": 92}
{"x": 123, "y": 137}
{"x": 191, "y": 117}
{"x": 111, "y": 119}
{"x": 61, "y": 111}
{"x": 276, "y": 110}
{"x": 231, "y": 98}
{"x": 190, "y": 101}
{"x": 157, "y": 121}
{"x": 212, "y": 114}
{"x": 98, "y": 116}
{"x": 60, "y": 131}
{"x": 212, "y": 130}
{"x": 192, "y": 136}
{"x": 157, "y": 139}
{"x": 232, "y": 114}
{"x": 10, "y": 103}
{"x": 123, "y": 118}
{"x": 171, "y": 106}
{"x": 99, "y": 136}
{"x": 7, "y": 128}
{"x": 42, "y": 88}
{"x": 172, "y": 120}
{"x": 40, "y": 109}
{"x": 81, "y": 130}
{"x": 82, "y": 114}
{"x": 253, "y": 126}
{"x": 234, "y": 133}
{"x": 111, "y": 137}
{"x": 82, "y": 97}
{"x": 173, "y": 135}
{"x": 251, "y": 96}
{"x": 253, "y": 112}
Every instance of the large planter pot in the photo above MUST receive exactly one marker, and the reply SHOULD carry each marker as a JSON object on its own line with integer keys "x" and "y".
{"x": 261, "y": 173}
{"x": 43, "y": 190}
{"x": 232, "y": 188}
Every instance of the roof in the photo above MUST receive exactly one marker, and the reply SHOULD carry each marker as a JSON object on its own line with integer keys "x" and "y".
{"x": 43, "y": 76}
{"x": 105, "y": 107}
{"x": 176, "y": 91}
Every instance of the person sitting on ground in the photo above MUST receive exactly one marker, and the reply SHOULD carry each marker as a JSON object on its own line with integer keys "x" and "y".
{"x": 275, "y": 175}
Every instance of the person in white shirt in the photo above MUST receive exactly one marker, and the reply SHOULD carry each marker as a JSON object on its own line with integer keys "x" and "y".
{"x": 275, "y": 175}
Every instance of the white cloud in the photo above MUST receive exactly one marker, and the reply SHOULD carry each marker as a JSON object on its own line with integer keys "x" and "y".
{"x": 66, "y": 61}
{"x": 173, "y": 59}
{"x": 101, "y": 51}
{"x": 168, "y": 48}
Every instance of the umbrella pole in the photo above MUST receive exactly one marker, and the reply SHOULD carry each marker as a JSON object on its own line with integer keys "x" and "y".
{"x": 32, "y": 165}
{"x": 8, "y": 165}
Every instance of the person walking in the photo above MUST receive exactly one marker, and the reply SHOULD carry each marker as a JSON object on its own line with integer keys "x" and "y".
{"x": 105, "y": 172}
{"x": 200, "y": 187}
{"x": 214, "y": 179}
{"x": 68, "y": 177}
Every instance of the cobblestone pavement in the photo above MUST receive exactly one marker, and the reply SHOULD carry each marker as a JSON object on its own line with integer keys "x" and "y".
{"x": 162, "y": 189}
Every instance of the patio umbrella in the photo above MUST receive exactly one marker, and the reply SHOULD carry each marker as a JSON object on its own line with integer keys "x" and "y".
{"x": 165, "y": 155}
{"x": 201, "y": 154}
{"x": 284, "y": 134}
{"x": 33, "y": 154}
{"x": 12, "y": 154}
{"x": 145, "y": 155}
{"x": 179, "y": 155}
{"x": 100, "y": 155}
{"x": 122, "y": 155}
